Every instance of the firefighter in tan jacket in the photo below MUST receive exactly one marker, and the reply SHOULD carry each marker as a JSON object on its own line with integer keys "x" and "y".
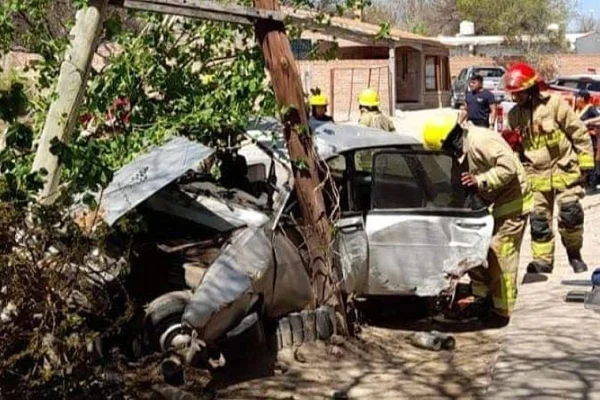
{"x": 370, "y": 114}
{"x": 555, "y": 149}
{"x": 500, "y": 180}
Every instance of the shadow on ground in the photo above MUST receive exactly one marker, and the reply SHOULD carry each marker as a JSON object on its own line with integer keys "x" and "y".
{"x": 380, "y": 363}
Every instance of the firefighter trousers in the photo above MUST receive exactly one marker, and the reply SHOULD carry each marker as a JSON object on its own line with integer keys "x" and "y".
{"x": 570, "y": 222}
{"x": 499, "y": 279}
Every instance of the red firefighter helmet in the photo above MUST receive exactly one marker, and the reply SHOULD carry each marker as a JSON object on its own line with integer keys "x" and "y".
{"x": 521, "y": 76}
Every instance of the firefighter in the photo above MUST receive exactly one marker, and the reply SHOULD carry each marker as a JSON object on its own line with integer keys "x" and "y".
{"x": 555, "y": 149}
{"x": 318, "y": 107}
{"x": 495, "y": 172}
{"x": 370, "y": 115}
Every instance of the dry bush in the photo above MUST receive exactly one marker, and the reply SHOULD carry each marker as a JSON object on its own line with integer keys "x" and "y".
{"x": 59, "y": 295}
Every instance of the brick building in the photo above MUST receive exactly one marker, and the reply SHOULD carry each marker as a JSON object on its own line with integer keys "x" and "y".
{"x": 409, "y": 71}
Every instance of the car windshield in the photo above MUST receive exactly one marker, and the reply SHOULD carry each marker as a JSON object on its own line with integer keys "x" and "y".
{"x": 572, "y": 84}
{"x": 500, "y": 84}
{"x": 594, "y": 86}
{"x": 489, "y": 72}
{"x": 582, "y": 83}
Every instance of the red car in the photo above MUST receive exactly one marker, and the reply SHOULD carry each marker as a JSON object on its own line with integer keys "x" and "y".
{"x": 569, "y": 86}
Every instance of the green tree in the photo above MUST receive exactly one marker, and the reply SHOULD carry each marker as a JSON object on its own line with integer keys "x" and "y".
{"x": 513, "y": 17}
{"x": 171, "y": 76}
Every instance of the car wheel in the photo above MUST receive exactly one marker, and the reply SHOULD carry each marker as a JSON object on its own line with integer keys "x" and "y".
{"x": 162, "y": 322}
{"x": 306, "y": 326}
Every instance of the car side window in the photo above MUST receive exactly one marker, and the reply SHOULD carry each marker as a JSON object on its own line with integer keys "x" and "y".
{"x": 463, "y": 75}
{"x": 337, "y": 166}
{"x": 363, "y": 161}
{"x": 419, "y": 180}
{"x": 396, "y": 185}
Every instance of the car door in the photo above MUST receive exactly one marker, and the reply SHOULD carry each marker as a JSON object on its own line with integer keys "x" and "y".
{"x": 422, "y": 229}
{"x": 350, "y": 246}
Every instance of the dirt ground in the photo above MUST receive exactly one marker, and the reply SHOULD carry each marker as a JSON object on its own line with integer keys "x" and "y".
{"x": 380, "y": 364}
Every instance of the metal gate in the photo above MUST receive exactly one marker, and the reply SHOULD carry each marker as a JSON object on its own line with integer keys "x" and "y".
{"x": 347, "y": 83}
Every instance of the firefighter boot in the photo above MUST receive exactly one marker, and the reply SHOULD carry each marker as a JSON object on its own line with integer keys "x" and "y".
{"x": 539, "y": 267}
{"x": 576, "y": 262}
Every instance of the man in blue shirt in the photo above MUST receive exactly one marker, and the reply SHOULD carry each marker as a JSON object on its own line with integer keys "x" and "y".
{"x": 481, "y": 104}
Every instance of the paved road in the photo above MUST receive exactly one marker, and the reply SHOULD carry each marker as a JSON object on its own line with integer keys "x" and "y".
{"x": 551, "y": 349}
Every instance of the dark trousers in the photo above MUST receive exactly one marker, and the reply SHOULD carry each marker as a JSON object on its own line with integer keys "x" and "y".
{"x": 484, "y": 123}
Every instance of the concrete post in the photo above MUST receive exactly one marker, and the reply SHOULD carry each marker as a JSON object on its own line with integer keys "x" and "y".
{"x": 392, "y": 69}
{"x": 63, "y": 112}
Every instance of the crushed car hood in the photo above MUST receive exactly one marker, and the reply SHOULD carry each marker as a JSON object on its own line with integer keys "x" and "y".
{"x": 149, "y": 173}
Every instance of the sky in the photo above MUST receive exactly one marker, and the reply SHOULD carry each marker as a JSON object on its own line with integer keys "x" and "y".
{"x": 584, "y": 7}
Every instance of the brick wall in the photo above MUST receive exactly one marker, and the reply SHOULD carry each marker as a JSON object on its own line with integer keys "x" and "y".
{"x": 565, "y": 64}
{"x": 349, "y": 78}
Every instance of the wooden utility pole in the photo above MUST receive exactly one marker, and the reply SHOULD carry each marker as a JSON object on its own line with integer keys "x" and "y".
{"x": 287, "y": 86}
{"x": 64, "y": 110}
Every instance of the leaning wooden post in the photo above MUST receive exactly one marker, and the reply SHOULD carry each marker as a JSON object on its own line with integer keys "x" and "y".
{"x": 64, "y": 110}
{"x": 287, "y": 86}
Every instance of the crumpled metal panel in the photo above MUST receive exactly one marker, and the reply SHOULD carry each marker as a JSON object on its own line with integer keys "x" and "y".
{"x": 149, "y": 173}
{"x": 214, "y": 213}
{"x": 291, "y": 289}
{"x": 228, "y": 287}
{"x": 351, "y": 254}
{"x": 422, "y": 255}
{"x": 243, "y": 271}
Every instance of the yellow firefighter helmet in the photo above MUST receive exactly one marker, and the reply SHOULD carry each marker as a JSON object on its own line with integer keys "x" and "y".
{"x": 436, "y": 130}
{"x": 368, "y": 98}
{"x": 318, "y": 100}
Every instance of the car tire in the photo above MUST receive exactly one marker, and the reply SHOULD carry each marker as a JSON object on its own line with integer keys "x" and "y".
{"x": 306, "y": 326}
{"x": 163, "y": 318}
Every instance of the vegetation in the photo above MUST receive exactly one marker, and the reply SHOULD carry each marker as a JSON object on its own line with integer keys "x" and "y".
{"x": 442, "y": 17}
{"x": 155, "y": 77}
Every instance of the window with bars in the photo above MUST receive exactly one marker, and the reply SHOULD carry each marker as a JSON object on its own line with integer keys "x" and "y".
{"x": 301, "y": 48}
{"x": 431, "y": 75}
{"x": 437, "y": 73}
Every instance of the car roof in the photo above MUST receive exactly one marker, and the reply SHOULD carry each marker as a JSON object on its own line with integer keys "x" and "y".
{"x": 595, "y": 77}
{"x": 330, "y": 138}
{"x": 487, "y": 67}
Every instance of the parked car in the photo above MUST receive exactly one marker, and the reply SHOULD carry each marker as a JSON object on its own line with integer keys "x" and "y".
{"x": 577, "y": 82}
{"x": 460, "y": 87}
{"x": 217, "y": 251}
{"x": 566, "y": 86}
{"x": 570, "y": 85}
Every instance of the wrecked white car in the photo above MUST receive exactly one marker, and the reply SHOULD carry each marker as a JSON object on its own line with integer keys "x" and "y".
{"x": 406, "y": 227}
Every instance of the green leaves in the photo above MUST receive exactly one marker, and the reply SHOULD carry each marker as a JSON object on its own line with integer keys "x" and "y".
{"x": 19, "y": 136}
{"x": 513, "y": 18}
{"x": 300, "y": 164}
{"x": 385, "y": 30}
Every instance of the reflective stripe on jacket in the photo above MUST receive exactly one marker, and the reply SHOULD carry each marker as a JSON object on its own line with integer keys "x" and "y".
{"x": 556, "y": 144}
{"x": 500, "y": 176}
